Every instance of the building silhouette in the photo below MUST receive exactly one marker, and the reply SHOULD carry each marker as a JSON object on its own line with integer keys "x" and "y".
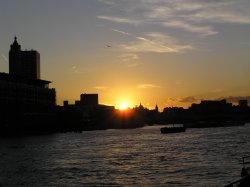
{"x": 89, "y": 99}
{"x": 24, "y": 63}
{"x": 90, "y": 114}
{"x": 243, "y": 103}
{"x": 22, "y": 92}
{"x": 212, "y": 107}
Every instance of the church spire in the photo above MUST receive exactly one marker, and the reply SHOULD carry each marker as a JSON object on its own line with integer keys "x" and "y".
{"x": 156, "y": 108}
{"x": 15, "y": 46}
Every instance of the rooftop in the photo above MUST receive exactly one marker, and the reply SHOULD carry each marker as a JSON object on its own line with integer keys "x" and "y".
{"x": 19, "y": 79}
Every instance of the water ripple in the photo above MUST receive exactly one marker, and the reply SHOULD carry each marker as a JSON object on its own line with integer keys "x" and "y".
{"x": 135, "y": 157}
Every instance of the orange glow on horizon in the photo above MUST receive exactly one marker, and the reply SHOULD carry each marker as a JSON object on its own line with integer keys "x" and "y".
{"x": 123, "y": 105}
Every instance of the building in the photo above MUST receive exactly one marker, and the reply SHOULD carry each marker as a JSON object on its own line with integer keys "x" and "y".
{"x": 211, "y": 106}
{"x": 24, "y": 63}
{"x": 89, "y": 112}
{"x": 86, "y": 104}
{"x": 89, "y": 99}
{"x": 22, "y": 91}
{"x": 243, "y": 103}
{"x": 25, "y": 94}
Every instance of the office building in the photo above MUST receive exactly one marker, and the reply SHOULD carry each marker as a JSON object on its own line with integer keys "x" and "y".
{"x": 22, "y": 90}
{"x": 243, "y": 103}
{"x": 23, "y": 63}
{"x": 89, "y": 99}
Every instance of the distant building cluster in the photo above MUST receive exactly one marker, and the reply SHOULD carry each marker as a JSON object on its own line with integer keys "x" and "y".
{"x": 212, "y": 111}
{"x": 86, "y": 101}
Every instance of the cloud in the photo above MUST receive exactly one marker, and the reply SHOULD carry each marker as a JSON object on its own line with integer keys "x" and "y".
{"x": 4, "y": 58}
{"x": 189, "y": 99}
{"x": 148, "y": 86}
{"x": 235, "y": 99}
{"x": 129, "y": 56}
{"x": 193, "y": 16}
{"x": 130, "y": 59}
{"x": 154, "y": 42}
{"x": 107, "y": 2}
{"x": 224, "y": 12}
{"x": 119, "y": 19}
{"x": 100, "y": 87}
{"x": 202, "y": 30}
{"x": 122, "y": 32}
{"x": 151, "y": 42}
{"x": 230, "y": 99}
{"x": 184, "y": 102}
{"x": 172, "y": 99}
{"x": 74, "y": 70}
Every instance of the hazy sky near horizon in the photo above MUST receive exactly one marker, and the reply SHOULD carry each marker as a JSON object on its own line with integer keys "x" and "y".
{"x": 169, "y": 52}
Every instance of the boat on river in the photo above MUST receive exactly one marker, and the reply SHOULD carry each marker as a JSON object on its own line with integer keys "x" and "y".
{"x": 173, "y": 129}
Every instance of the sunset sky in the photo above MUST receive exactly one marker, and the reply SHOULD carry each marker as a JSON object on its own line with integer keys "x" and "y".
{"x": 165, "y": 52}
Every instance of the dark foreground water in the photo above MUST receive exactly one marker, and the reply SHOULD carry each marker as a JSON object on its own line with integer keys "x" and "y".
{"x": 136, "y": 157}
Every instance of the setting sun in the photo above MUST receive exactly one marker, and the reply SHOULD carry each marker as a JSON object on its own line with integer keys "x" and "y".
{"x": 123, "y": 105}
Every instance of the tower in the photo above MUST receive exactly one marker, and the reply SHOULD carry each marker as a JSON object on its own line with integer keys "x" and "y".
{"x": 24, "y": 64}
{"x": 156, "y": 108}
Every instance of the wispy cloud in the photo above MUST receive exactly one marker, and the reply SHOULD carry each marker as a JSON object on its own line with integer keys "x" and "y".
{"x": 223, "y": 11}
{"x": 193, "y": 16}
{"x": 75, "y": 70}
{"x": 130, "y": 59}
{"x": 230, "y": 99}
{"x": 148, "y": 86}
{"x": 119, "y": 19}
{"x": 4, "y": 58}
{"x": 107, "y": 2}
{"x": 201, "y": 30}
{"x": 189, "y": 99}
{"x": 235, "y": 99}
{"x": 100, "y": 87}
{"x": 155, "y": 42}
{"x": 181, "y": 101}
{"x": 129, "y": 56}
{"x": 122, "y": 32}
{"x": 229, "y": 11}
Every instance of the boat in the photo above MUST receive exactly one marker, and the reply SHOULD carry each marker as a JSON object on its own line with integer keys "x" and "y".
{"x": 244, "y": 181}
{"x": 173, "y": 129}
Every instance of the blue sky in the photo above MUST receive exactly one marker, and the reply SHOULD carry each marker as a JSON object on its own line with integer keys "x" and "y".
{"x": 150, "y": 51}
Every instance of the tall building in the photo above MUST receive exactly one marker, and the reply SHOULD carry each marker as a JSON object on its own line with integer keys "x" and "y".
{"x": 23, "y": 63}
{"x": 22, "y": 91}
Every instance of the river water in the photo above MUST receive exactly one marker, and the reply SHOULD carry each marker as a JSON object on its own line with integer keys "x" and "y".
{"x": 134, "y": 157}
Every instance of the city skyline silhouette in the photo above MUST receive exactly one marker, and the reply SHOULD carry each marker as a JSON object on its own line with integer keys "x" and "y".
{"x": 125, "y": 93}
{"x": 27, "y": 99}
{"x": 166, "y": 56}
